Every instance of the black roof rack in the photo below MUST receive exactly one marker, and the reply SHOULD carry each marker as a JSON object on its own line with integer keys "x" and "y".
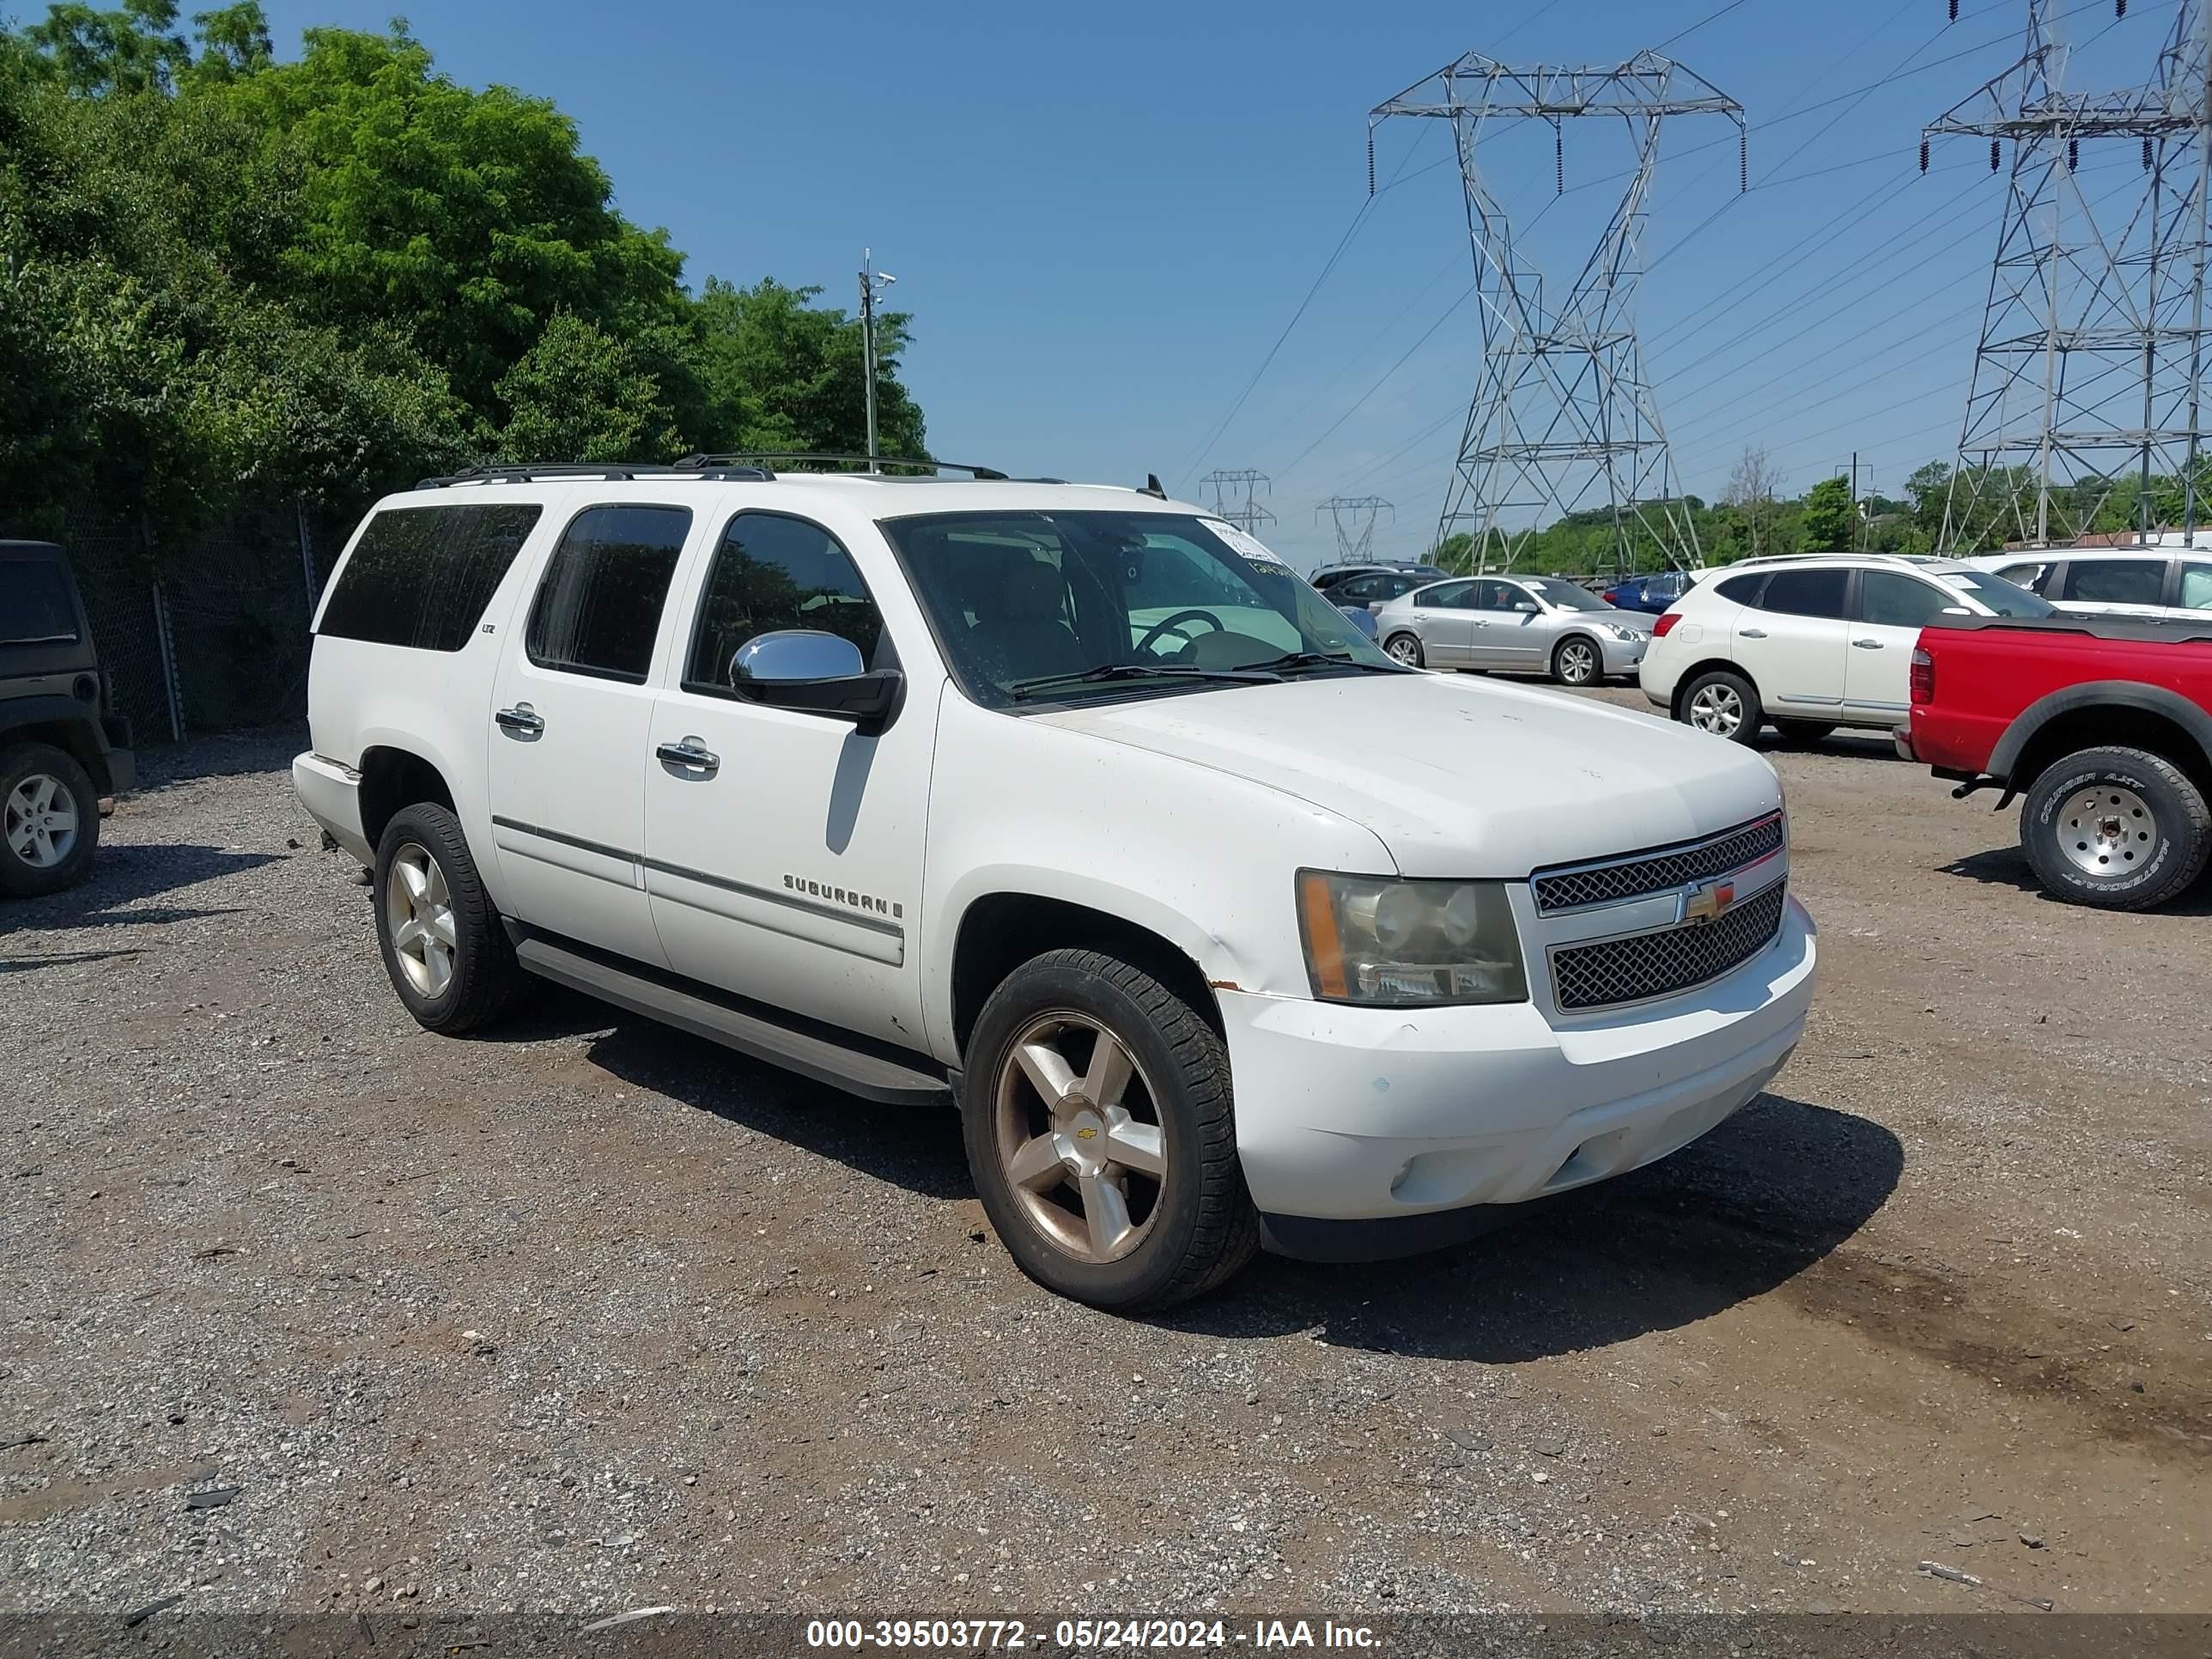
{"x": 785, "y": 456}
{"x": 531, "y": 472}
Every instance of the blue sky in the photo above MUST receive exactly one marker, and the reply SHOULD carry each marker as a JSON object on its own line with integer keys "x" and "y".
{"x": 1102, "y": 217}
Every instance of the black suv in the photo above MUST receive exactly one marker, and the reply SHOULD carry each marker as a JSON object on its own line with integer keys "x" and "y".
{"x": 61, "y": 751}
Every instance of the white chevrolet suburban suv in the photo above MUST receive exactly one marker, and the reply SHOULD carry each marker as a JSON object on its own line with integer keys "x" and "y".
{"x": 1068, "y": 804}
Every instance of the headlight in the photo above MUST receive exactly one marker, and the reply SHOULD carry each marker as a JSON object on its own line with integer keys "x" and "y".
{"x": 1620, "y": 633}
{"x": 1387, "y": 943}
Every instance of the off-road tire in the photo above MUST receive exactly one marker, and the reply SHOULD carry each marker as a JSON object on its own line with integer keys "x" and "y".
{"x": 1746, "y": 695}
{"x": 2172, "y": 850}
{"x": 486, "y": 981}
{"x": 1205, "y": 1228}
{"x": 24, "y": 760}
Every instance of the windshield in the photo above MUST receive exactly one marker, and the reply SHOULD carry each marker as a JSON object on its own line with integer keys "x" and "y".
{"x": 1569, "y": 596}
{"x": 1177, "y": 602}
{"x": 2005, "y": 598}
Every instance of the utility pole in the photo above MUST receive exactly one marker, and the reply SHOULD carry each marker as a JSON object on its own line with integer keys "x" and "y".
{"x": 1857, "y": 518}
{"x": 2087, "y": 377}
{"x": 872, "y": 282}
{"x": 1563, "y": 418}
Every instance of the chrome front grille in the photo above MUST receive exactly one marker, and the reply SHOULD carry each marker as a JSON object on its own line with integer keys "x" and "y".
{"x": 1641, "y": 966}
{"x": 1639, "y": 874}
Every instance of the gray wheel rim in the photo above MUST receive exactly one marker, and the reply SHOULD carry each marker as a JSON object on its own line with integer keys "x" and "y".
{"x": 1577, "y": 663}
{"x": 2107, "y": 829}
{"x": 41, "y": 821}
{"x": 1070, "y": 1143}
{"x": 1405, "y": 650}
{"x": 1718, "y": 709}
{"x": 418, "y": 909}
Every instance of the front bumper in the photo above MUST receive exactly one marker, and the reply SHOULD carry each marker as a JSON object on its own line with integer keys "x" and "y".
{"x": 1623, "y": 656}
{"x": 1378, "y": 1115}
{"x": 330, "y": 791}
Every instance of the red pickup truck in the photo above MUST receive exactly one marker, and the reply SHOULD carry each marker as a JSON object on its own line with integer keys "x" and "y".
{"x": 2105, "y": 725}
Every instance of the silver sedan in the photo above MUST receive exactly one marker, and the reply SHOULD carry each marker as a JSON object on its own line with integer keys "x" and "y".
{"x": 1531, "y": 625}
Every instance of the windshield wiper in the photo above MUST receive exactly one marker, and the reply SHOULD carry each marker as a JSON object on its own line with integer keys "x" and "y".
{"x": 1140, "y": 671}
{"x": 1293, "y": 660}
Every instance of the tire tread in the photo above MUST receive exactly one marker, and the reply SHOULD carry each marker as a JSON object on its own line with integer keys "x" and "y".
{"x": 2194, "y": 832}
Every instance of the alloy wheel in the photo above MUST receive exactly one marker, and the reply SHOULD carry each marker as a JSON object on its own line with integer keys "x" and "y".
{"x": 418, "y": 907}
{"x": 41, "y": 821}
{"x": 1083, "y": 1150}
{"x": 1577, "y": 663}
{"x": 2106, "y": 830}
{"x": 1718, "y": 709}
{"x": 1404, "y": 649}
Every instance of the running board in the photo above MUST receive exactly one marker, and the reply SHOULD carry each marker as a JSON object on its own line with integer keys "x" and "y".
{"x": 872, "y": 1077}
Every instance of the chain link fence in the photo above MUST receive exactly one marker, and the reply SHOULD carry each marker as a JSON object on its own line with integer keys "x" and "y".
{"x": 219, "y": 639}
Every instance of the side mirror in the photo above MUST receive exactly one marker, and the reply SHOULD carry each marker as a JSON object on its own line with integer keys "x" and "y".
{"x": 815, "y": 673}
{"x": 1524, "y": 609}
{"x": 1956, "y": 611}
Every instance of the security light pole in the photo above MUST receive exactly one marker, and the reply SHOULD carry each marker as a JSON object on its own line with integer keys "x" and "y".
{"x": 871, "y": 283}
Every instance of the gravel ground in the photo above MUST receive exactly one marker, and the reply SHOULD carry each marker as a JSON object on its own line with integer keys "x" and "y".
{"x": 305, "y": 1309}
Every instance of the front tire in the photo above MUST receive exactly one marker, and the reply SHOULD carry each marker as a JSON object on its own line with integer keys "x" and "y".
{"x": 444, "y": 946}
{"x": 49, "y": 820}
{"x": 1096, "y": 1110}
{"x": 1406, "y": 649}
{"x": 1724, "y": 704}
{"x": 1578, "y": 661}
{"x": 2118, "y": 829}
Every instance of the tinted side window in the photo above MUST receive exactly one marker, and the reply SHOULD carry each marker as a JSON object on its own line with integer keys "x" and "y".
{"x": 598, "y": 607}
{"x": 1805, "y": 592}
{"x": 1744, "y": 590}
{"x": 420, "y": 576}
{"x": 1452, "y": 596}
{"x": 35, "y": 604}
{"x": 2033, "y": 576}
{"x": 1890, "y": 600}
{"x": 2116, "y": 581}
{"x": 771, "y": 574}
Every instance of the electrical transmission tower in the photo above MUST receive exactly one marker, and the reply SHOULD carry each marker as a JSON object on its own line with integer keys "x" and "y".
{"x": 1355, "y": 517}
{"x": 1563, "y": 420}
{"x": 1247, "y": 515}
{"x": 2088, "y": 374}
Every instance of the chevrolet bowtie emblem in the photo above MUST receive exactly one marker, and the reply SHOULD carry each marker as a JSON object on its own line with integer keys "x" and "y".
{"x": 1708, "y": 902}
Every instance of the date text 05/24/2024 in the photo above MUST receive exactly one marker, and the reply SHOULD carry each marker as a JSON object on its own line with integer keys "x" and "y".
{"x": 1084, "y": 1635}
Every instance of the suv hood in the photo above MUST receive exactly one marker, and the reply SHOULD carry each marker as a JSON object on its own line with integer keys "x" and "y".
{"x": 1457, "y": 777}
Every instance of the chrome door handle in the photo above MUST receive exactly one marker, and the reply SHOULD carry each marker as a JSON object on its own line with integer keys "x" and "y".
{"x": 1868, "y": 645}
{"x": 522, "y": 720}
{"x": 690, "y": 753}
{"x": 1753, "y": 633}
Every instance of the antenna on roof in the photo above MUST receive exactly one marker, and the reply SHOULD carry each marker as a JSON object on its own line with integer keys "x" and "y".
{"x": 1152, "y": 486}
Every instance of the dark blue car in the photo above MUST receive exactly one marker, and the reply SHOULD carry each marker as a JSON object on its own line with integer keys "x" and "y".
{"x": 1653, "y": 592}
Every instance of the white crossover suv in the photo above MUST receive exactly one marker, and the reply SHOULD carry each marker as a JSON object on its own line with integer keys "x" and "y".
{"x": 1810, "y": 642}
{"x": 1071, "y": 805}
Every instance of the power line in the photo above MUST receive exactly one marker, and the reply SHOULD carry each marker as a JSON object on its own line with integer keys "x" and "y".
{"x": 1684, "y": 34}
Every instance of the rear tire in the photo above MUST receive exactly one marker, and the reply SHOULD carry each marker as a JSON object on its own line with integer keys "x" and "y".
{"x": 1177, "y": 1220}
{"x": 1724, "y": 704}
{"x": 1406, "y": 649}
{"x": 2116, "y": 829}
{"x": 443, "y": 942}
{"x": 49, "y": 820}
{"x": 1804, "y": 731}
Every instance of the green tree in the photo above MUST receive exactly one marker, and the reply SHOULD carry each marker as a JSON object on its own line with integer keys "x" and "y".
{"x": 134, "y": 48}
{"x": 465, "y": 218}
{"x": 1830, "y": 517}
{"x": 782, "y": 373}
{"x": 579, "y": 395}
